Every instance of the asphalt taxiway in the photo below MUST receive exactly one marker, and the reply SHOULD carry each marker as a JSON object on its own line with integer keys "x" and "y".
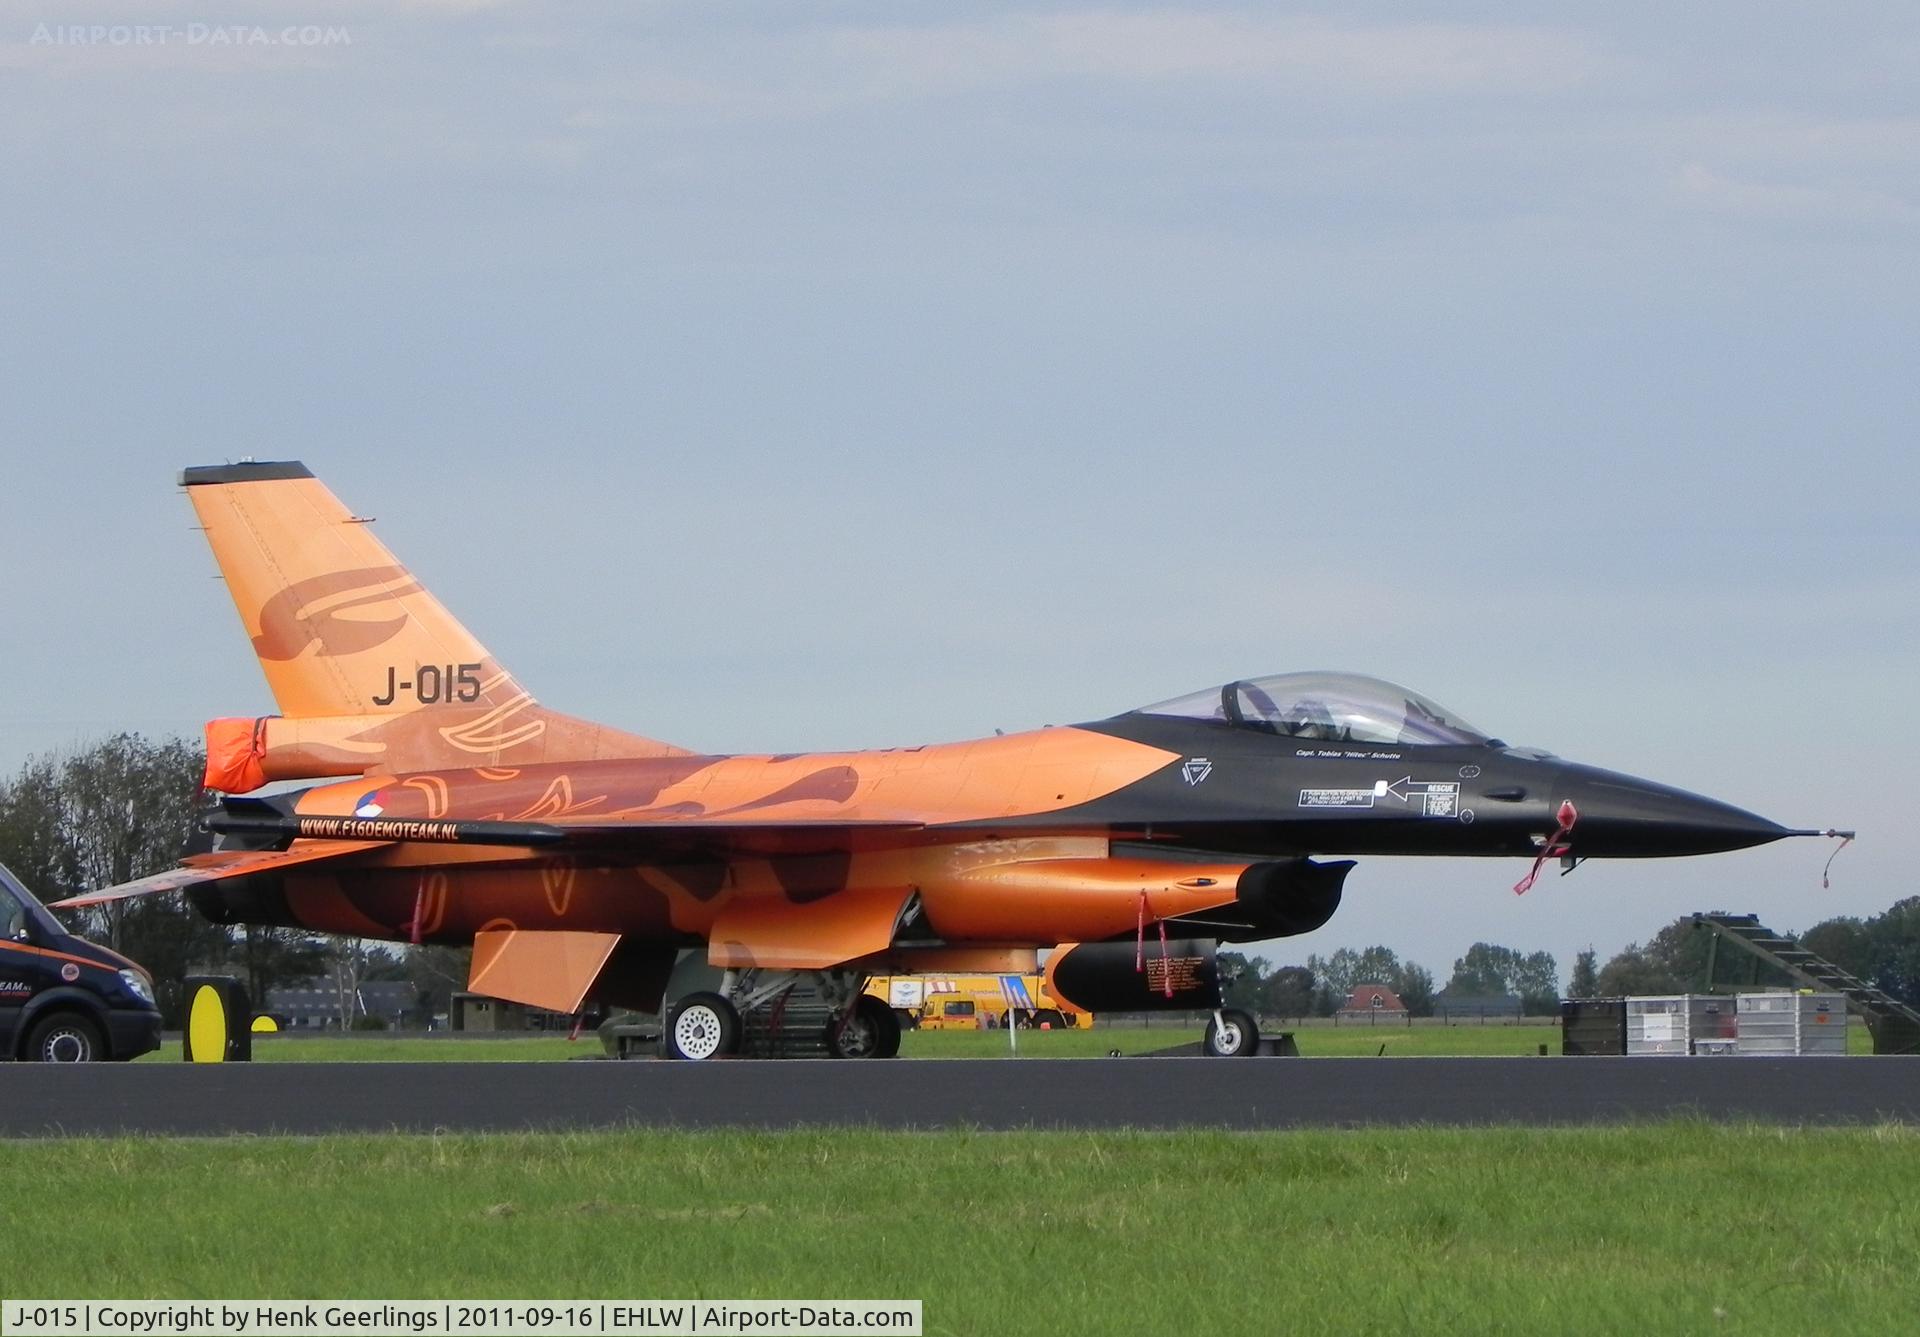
{"x": 1238, "y": 1093}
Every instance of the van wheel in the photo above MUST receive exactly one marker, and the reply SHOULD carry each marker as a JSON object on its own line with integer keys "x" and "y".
{"x": 1049, "y": 1018}
{"x": 65, "y": 1037}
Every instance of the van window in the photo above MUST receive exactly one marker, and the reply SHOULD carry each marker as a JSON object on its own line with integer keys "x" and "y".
{"x": 13, "y": 915}
{"x": 18, "y": 908}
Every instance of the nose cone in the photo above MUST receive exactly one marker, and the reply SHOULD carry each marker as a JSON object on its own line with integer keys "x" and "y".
{"x": 1623, "y": 817}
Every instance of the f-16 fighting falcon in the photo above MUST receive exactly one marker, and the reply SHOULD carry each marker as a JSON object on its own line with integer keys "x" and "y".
{"x": 579, "y": 860}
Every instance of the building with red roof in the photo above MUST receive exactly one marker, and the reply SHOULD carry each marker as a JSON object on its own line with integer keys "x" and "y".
{"x": 1372, "y": 1000}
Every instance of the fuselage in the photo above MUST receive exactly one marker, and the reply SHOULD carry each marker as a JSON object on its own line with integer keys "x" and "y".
{"x": 1063, "y": 834}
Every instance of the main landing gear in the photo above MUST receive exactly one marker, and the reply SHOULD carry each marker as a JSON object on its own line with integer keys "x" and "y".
{"x": 710, "y": 1025}
{"x": 701, "y": 1025}
{"x": 871, "y": 1030}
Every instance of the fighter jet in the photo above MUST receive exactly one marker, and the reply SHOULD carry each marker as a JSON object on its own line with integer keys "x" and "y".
{"x": 579, "y": 860}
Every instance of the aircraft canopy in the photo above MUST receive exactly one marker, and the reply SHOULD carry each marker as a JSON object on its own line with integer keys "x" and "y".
{"x": 1329, "y": 707}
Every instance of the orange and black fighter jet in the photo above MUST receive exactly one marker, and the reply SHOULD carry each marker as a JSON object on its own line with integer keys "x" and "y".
{"x": 578, "y": 860}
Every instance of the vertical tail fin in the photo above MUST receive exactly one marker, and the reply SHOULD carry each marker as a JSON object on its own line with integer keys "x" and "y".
{"x": 369, "y": 670}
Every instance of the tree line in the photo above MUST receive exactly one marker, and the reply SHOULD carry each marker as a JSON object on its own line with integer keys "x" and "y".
{"x": 1323, "y": 985}
{"x": 1883, "y": 950}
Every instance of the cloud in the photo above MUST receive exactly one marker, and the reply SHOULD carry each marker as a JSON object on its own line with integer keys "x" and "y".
{"x": 1702, "y": 187}
{"x": 826, "y": 67}
{"x": 1403, "y": 59}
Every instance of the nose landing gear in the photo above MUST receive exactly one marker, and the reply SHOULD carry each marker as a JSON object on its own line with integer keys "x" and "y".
{"x": 871, "y": 1030}
{"x": 1232, "y": 1034}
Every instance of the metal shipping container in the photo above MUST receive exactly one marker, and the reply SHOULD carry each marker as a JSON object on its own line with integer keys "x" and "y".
{"x": 1793, "y": 1023}
{"x": 1670, "y": 1024}
{"x": 1593, "y": 1026}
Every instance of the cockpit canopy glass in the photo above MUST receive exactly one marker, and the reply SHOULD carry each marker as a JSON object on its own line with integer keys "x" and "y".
{"x": 1326, "y": 707}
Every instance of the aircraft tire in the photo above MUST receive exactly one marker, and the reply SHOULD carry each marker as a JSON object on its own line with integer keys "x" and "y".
{"x": 1240, "y": 1038}
{"x": 700, "y": 1026}
{"x": 889, "y": 1023}
{"x": 65, "y": 1037}
{"x": 873, "y": 1031}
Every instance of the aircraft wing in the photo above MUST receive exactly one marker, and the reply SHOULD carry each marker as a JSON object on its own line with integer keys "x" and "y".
{"x": 321, "y": 838}
{"x": 665, "y": 831}
{"x": 203, "y": 868}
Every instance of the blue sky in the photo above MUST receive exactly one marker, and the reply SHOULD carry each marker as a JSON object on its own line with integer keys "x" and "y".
{"x": 770, "y": 377}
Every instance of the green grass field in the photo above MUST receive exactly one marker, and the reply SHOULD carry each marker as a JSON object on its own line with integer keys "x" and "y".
{"x": 1668, "y": 1228}
{"x": 1315, "y": 1041}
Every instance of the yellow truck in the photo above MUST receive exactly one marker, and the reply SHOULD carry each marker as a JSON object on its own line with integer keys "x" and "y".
{"x": 975, "y": 1002}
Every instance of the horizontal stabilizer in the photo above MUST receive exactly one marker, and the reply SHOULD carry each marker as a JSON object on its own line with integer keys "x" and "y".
{"x": 204, "y": 868}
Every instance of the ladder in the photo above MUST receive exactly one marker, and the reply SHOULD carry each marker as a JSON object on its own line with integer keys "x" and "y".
{"x": 1895, "y": 1027}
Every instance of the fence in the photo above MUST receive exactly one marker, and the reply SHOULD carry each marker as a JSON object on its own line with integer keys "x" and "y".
{"x": 1188, "y": 1020}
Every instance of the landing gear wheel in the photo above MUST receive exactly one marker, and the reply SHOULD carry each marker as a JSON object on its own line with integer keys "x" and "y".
{"x": 1232, "y": 1034}
{"x": 701, "y": 1025}
{"x": 889, "y": 1046}
{"x": 65, "y": 1038}
{"x": 873, "y": 1031}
